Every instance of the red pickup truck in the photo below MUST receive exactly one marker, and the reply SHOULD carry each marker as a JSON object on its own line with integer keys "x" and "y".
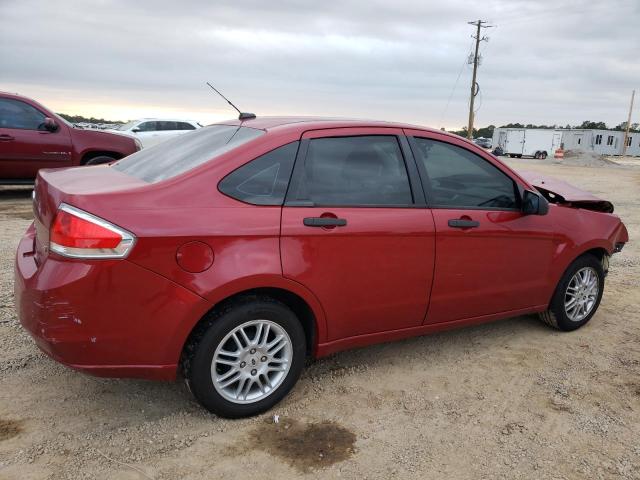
{"x": 33, "y": 137}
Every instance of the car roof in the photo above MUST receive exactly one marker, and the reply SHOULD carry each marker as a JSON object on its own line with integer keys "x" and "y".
{"x": 18, "y": 96}
{"x": 11, "y": 94}
{"x": 318, "y": 123}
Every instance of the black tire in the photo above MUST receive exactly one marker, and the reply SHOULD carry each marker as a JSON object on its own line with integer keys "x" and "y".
{"x": 556, "y": 316}
{"x": 100, "y": 160}
{"x": 543, "y": 155}
{"x": 199, "y": 352}
{"x": 536, "y": 155}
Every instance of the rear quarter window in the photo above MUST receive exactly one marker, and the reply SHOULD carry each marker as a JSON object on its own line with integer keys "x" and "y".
{"x": 185, "y": 152}
{"x": 264, "y": 180}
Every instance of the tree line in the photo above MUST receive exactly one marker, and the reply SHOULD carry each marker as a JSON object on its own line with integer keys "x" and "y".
{"x": 81, "y": 119}
{"x": 487, "y": 132}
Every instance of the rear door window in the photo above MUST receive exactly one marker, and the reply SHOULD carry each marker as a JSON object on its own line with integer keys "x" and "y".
{"x": 262, "y": 181}
{"x": 147, "y": 127}
{"x": 459, "y": 178}
{"x": 185, "y": 126}
{"x": 185, "y": 152}
{"x": 354, "y": 171}
{"x": 167, "y": 126}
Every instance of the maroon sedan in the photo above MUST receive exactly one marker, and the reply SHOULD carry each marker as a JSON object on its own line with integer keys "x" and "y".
{"x": 33, "y": 137}
{"x": 230, "y": 253}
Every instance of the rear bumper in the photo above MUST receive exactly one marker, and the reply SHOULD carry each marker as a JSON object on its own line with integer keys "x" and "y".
{"x": 107, "y": 318}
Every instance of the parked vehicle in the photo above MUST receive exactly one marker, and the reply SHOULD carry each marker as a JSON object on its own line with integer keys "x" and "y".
{"x": 322, "y": 235}
{"x": 482, "y": 142}
{"x": 527, "y": 142}
{"x": 33, "y": 137}
{"x": 151, "y": 131}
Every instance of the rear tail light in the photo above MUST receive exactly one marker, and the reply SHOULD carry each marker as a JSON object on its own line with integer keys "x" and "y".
{"x": 78, "y": 234}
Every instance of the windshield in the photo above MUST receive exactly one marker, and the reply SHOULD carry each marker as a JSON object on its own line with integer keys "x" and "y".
{"x": 185, "y": 152}
{"x": 126, "y": 126}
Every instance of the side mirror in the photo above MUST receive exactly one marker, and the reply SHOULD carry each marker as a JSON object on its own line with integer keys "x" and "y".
{"x": 50, "y": 125}
{"x": 533, "y": 203}
{"x": 136, "y": 130}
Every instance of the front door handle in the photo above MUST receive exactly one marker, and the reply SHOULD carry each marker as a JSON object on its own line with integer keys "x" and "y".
{"x": 6, "y": 138}
{"x": 324, "y": 222}
{"x": 462, "y": 223}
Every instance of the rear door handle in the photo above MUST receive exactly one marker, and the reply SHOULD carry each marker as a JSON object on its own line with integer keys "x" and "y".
{"x": 6, "y": 138}
{"x": 461, "y": 223}
{"x": 324, "y": 222}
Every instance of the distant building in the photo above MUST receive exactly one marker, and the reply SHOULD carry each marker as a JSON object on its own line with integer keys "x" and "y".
{"x": 602, "y": 142}
{"x": 633, "y": 144}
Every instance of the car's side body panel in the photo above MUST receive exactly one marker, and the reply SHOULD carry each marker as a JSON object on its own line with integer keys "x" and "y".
{"x": 27, "y": 151}
{"x": 502, "y": 265}
{"x": 372, "y": 275}
{"x": 390, "y": 273}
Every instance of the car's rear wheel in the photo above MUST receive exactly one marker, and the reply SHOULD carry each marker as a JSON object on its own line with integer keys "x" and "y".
{"x": 245, "y": 358}
{"x": 577, "y": 295}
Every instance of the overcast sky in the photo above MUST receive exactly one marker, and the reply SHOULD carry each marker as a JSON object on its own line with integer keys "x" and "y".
{"x": 559, "y": 61}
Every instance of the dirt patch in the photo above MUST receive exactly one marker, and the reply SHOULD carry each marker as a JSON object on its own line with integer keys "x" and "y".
{"x": 10, "y": 193}
{"x": 305, "y": 447}
{"x": 634, "y": 388}
{"x": 18, "y": 212}
{"x": 9, "y": 429}
{"x": 513, "y": 427}
{"x": 585, "y": 159}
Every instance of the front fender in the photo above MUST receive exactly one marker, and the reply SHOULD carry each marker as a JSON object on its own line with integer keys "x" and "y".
{"x": 585, "y": 231}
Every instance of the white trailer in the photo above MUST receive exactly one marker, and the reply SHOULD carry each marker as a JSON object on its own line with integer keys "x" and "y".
{"x": 527, "y": 142}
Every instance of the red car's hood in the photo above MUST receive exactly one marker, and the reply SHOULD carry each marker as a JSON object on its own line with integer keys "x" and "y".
{"x": 565, "y": 193}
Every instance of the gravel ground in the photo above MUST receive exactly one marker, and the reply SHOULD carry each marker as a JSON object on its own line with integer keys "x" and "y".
{"x": 511, "y": 399}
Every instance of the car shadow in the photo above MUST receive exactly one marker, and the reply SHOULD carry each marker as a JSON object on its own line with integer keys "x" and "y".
{"x": 15, "y": 192}
{"x": 492, "y": 334}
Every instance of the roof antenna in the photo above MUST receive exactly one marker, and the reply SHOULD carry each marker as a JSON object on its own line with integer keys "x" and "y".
{"x": 243, "y": 115}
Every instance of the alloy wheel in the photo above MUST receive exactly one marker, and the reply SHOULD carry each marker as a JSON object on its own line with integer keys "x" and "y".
{"x": 581, "y": 294}
{"x": 251, "y": 361}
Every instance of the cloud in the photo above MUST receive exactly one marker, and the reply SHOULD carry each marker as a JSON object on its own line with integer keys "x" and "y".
{"x": 546, "y": 62}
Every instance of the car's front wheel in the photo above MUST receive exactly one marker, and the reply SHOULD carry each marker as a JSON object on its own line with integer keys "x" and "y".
{"x": 246, "y": 357}
{"x": 577, "y": 295}
{"x": 100, "y": 160}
